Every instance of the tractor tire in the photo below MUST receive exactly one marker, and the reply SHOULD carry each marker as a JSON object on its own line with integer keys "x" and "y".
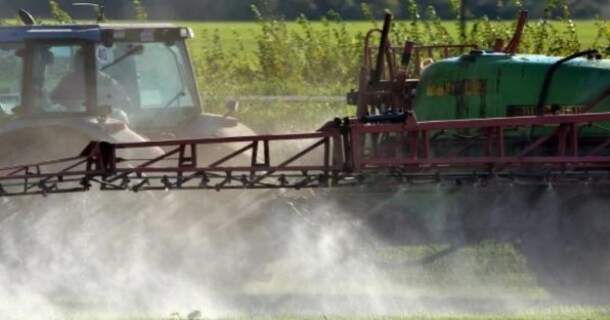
{"x": 32, "y": 145}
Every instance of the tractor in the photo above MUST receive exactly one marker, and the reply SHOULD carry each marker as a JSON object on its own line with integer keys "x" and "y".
{"x": 450, "y": 143}
{"x": 64, "y": 85}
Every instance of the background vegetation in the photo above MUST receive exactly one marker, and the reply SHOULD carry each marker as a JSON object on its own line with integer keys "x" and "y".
{"x": 291, "y": 9}
{"x": 303, "y": 57}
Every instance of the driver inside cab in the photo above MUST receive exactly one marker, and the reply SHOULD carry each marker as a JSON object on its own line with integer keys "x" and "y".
{"x": 70, "y": 92}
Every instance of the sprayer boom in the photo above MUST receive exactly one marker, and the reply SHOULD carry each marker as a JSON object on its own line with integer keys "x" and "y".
{"x": 342, "y": 153}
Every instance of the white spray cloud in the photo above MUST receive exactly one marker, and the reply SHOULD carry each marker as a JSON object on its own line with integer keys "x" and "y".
{"x": 242, "y": 253}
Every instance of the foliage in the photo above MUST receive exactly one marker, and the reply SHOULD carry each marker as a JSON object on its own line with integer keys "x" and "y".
{"x": 284, "y": 58}
{"x": 325, "y": 57}
{"x": 291, "y": 9}
{"x": 59, "y": 15}
{"x": 140, "y": 12}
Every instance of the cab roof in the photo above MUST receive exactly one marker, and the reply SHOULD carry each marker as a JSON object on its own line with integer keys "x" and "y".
{"x": 87, "y": 32}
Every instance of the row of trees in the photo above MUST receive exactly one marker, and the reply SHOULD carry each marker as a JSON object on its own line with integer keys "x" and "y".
{"x": 290, "y": 9}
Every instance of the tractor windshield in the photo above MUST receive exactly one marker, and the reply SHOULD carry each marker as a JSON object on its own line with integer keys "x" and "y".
{"x": 10, "y": 77}
{"x": 153, "y": 75}
{"x": 128, "y": 77}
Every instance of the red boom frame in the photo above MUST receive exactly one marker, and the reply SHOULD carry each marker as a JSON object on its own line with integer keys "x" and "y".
{"x": 335, "y": 156}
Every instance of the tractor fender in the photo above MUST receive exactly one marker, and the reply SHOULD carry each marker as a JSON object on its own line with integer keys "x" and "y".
{"x": 208, "y": 125}
{"x": 43, "y": 139}
{"x": 110, "y": 131}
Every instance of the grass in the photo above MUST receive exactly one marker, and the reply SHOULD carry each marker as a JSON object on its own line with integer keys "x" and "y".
{"x": 547, "y": 315}
{"x": 273, "y": 57}
{"x": 570, "y": 313}
{"x": 235, "y": 34}
{"x": 505, "y": 291}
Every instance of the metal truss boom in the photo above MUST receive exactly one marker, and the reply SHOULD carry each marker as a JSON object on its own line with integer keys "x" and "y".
{"x": 342, "y": 153}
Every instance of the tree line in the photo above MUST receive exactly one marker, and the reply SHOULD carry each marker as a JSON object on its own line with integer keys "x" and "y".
{"x": 212, "y": 10}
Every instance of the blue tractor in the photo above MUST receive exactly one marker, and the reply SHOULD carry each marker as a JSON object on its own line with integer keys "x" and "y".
{"x": 65, "y": 85}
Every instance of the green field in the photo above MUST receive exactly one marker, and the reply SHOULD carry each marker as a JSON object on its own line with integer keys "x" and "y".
{"x": 566, "y": 314}
{"x": 316, "y": 54}
{"x": 489, "y": 281}
{"x": 245, "y": 33}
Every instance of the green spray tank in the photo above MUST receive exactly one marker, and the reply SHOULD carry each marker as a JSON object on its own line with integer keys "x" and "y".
{"x": 447, "y": 82}
{"x": 488, "y": 84}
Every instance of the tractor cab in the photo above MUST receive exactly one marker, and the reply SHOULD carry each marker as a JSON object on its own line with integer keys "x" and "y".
{"x": 139, "y": 74}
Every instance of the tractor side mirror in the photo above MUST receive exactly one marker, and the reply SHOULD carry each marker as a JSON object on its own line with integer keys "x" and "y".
{"x": 26, "y": 18}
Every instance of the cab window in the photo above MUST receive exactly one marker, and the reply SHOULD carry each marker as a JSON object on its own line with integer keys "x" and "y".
{"x": 58, "y": 78}
{"x": 11, "y": 65}
{"x": 153, "y": 75}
